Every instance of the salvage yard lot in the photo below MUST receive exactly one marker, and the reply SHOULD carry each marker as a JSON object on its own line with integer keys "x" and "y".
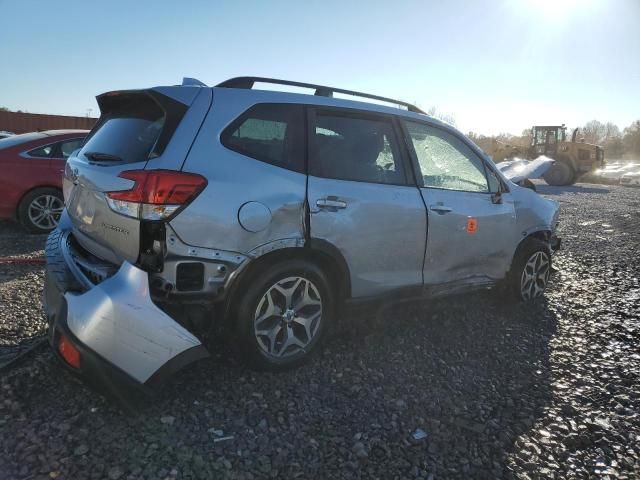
{"x": 502, "y": 390}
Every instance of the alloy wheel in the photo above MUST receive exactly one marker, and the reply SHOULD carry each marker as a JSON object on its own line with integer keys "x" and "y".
{"x": 288, "y": 317}
{"x": 535, "y": 275}
{"x": 44, "y": 211}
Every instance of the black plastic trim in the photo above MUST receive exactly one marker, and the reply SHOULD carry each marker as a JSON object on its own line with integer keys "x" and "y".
{"x": 176, "y": 363}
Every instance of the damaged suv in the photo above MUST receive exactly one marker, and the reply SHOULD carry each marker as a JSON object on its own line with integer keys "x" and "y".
{"x": 260, "y": 215}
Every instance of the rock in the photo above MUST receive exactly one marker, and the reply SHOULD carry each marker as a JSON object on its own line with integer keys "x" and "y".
{"x": 115, "y": 473}
{"x": 359, "y": 450}
{"x": 81, "y": 449}
{"x": 168, "y": 420}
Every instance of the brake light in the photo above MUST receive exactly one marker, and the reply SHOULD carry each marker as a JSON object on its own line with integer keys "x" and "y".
{"x": 70, "y": 353}
{"x": 156, "y": 194}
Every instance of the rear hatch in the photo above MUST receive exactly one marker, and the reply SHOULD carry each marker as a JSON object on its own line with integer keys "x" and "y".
{"x": 138, "y": 131}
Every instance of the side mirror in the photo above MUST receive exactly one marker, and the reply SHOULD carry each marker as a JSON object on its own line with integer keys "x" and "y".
{"x": 496, "y": 198}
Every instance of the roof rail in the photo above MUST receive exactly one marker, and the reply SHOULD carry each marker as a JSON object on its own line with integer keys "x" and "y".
{"x": 320, "y": 90}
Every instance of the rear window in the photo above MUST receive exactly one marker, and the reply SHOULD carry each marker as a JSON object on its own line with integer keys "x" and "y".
{"x": 272, "y": 133}
{"x": 133, "y": 127}
{"x": 19, "y": 139}
{"x": 128, "y": 138}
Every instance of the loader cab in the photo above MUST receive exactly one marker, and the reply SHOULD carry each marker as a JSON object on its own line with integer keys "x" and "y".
{"x": 545, "y": 140}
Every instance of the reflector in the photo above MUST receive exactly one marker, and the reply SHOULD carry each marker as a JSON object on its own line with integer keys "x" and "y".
{"x": 70, "y": 353}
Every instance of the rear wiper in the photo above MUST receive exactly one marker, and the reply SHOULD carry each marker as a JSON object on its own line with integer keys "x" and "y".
{"x": 103, "y": 157}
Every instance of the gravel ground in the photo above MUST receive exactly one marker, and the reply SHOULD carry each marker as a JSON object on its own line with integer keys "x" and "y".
{"x": 502, "y": 390}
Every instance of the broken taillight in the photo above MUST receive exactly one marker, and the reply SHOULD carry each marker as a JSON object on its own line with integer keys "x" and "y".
{"x": 70, "y": 353}
{"x": 156, "y": 194}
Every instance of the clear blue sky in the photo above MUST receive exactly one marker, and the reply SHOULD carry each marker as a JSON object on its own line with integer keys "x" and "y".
{"x": 496, "y": 66}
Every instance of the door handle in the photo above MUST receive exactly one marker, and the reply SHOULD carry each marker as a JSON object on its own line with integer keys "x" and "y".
{"x": 441, "y": 209}
{"x": 331, "y": 203}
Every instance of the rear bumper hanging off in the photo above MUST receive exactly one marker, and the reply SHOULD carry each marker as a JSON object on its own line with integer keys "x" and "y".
{"x": 125, "y": 342}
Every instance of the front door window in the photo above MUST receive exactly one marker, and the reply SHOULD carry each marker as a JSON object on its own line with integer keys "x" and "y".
{"x": 445, "y": 161}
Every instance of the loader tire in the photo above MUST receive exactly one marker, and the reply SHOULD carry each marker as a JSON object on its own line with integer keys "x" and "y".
{"x": 560, "y": 174}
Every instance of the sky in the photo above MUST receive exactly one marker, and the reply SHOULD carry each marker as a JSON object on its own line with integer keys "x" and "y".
{"x": 493, "y": 65}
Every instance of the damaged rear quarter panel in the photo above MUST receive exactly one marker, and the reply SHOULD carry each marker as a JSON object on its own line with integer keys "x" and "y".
{"x": 212, "y": 220}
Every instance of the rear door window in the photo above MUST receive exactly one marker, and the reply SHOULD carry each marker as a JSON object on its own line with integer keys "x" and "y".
{"x": 271, "y": 133}
{"x": 356, "y": 147}
{"x": 68, "y": 146}
{"x": 42, "y": 152}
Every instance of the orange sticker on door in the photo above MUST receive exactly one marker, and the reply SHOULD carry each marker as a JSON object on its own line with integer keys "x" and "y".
{"x": 472, "y": 225}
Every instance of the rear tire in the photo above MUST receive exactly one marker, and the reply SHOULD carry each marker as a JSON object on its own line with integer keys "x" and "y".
{"x": 283, "y": 315}
{"x": 40, "y": 209}
{"x": 530, "y": 270}
{"x": 560, "y": 174}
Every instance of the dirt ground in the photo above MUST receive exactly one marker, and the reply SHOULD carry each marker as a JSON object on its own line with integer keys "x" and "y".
{"x": 502, "y": 390}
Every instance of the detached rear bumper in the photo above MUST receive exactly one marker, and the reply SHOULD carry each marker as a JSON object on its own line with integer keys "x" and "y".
{"x": 126, "y": 344}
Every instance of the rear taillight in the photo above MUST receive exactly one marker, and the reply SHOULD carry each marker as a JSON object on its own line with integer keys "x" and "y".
{"x": 156, "y": 194}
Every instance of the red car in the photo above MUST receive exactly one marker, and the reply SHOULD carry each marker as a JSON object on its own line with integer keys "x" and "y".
{"x": 31, "y": 168}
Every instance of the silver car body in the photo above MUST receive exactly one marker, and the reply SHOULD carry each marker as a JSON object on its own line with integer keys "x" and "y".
{"x": 387, "y": 237}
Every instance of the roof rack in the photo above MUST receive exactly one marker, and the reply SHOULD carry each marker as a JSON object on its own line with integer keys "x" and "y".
{"x": 320, "y": 90}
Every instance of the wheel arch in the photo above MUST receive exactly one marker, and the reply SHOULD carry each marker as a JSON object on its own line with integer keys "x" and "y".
{"x": 322, "y": 253}
{"x": 542, "y": 235}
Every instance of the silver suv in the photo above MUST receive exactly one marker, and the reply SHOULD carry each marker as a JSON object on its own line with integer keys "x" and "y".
{"x": 193, "y": 212}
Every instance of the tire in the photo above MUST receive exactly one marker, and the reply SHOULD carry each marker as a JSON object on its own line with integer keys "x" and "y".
{"x": 560, "y": 174}
{"x": 284, "y": 342}
{"x": 40, "y": 209}
{"x": 532, "y": 259}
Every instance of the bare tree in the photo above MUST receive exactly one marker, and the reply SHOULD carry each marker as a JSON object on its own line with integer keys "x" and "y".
{"x": 445, "y": 117}
{"x": 594, "y": 132}
{"x": 631, "y": 139}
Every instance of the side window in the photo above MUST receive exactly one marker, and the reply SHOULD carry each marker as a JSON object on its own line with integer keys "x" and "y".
{"x": 42, "y": 152}
{"x": 272, "y": 133}
{"x": 67, "y": 147}
{"x": 446, "y": 161}
{"x": 348, "y": 147}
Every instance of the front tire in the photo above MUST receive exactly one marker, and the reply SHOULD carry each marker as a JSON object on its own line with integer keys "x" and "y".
{"x": 531, "y": 270}
{"x": 560, "y": 174}
{"x": 40, "y": 210}
{"x": 283, "y": 315}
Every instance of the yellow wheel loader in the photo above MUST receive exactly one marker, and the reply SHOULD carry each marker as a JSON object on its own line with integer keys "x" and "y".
{"x": 573, "y": 157}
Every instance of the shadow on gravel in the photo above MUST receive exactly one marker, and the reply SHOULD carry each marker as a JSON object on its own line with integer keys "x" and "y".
{"x": 472, "y": 372}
